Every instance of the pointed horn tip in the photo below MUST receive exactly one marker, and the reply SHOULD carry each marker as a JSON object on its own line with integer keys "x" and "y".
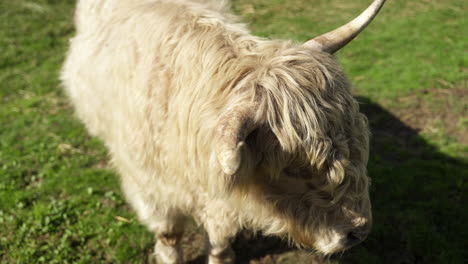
{"x": 334, "y": 40}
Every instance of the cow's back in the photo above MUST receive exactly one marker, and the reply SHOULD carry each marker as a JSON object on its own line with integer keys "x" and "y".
{"x": 145, "y": 86}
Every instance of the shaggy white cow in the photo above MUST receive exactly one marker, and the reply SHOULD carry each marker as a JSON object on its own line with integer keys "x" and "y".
{"x": 203, "y": 119}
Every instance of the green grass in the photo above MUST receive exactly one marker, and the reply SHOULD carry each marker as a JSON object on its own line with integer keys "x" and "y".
{"x": 59, "y": 200}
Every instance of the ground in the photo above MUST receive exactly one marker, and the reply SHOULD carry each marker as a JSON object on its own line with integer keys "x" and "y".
{"x": 60, "y": 200}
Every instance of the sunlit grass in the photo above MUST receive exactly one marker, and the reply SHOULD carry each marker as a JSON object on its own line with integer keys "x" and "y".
{"x": 59, "y": 199}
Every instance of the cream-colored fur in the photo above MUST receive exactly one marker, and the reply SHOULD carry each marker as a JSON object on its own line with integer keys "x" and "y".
{"x": 154, "y": 78}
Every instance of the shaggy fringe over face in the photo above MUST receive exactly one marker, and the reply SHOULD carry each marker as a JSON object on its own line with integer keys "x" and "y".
{"x": 311, "y": 124}
{"x": 308, "y": 105}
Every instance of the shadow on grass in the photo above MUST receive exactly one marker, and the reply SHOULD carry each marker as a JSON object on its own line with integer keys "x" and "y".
{"x": 416, "y": 192}
{"x": 252, "y": 247}
{"x": 417, "y": 197}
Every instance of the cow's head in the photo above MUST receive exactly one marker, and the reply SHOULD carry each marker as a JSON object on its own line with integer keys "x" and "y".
{"x": 295, "y": 143}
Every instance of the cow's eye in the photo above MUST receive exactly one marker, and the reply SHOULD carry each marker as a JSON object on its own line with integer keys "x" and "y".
{"x": 297, "y": 172}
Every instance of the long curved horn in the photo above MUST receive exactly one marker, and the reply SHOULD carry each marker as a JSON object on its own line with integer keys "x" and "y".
{"x": 334, "y": 40}
{"x": 232, "y": 130}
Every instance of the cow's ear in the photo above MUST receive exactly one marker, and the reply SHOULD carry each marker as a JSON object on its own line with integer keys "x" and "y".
{"x": 234, "y": 125}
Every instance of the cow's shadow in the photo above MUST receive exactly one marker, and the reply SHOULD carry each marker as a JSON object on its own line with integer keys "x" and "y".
{"x": 398, "y": 166}
{"x": 249, "y": 246}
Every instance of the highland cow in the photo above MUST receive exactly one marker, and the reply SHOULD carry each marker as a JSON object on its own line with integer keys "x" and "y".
{"x": 204, "y": 120}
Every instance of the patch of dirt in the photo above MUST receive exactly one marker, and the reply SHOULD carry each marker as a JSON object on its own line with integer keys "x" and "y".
{"x": 103, "y": 164}
{"x": 396, "y": 128}
{"x": 433, "y": 110}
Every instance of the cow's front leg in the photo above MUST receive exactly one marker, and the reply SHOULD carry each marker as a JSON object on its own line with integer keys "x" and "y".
{"x": 167, "y": 249}
{"x": 167, "y": 222}
{"x": 221, "y": 231}
{"x": 168, "y": 237}
{"x": 221, "y": 255}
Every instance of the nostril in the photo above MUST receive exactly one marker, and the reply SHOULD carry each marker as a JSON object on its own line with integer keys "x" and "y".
{"x": 353, "y": 238}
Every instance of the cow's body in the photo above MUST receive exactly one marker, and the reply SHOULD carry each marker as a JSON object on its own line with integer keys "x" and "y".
{"x": 154, "y": 80}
